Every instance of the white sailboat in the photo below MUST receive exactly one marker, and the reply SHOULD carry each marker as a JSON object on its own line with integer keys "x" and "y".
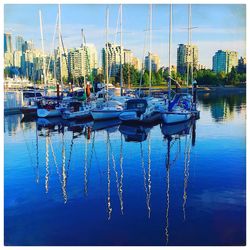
{"x": 50, "y": 107}
{"x": 107, "y": 110}
{"x": 143, "y": 109}
{"x": 179, "y": 108}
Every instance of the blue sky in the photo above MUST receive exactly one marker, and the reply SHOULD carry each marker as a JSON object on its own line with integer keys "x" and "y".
{"x": 218, "y": 26}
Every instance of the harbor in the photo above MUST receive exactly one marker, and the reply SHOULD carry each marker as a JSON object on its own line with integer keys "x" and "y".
{"x": 107, "y": 145}
{"x": 105, "y": 183}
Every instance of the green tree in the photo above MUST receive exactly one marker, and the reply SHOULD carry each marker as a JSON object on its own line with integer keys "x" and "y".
{"x": 99, "y": 78}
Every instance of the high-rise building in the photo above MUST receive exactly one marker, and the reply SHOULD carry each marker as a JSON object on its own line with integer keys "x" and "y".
{"x": 19, "y": 43}
{"x": 114, "y": 58}
{"x": 8, "y": 43}
{"x": 187, "y": 56}
{"x": 128, "y": 56}
{"x": 82, "y": 61}
{"x": 8, "y": 59}
{"x": 28, "y": 45}
{"x": 136, "y": 62}
{"x": 155, "y": 62}
{"x": 242, "y": 65}
{"x": 224, "y": 60}
{"x": 17, "y": 58}
{"x": 61, "y": 68}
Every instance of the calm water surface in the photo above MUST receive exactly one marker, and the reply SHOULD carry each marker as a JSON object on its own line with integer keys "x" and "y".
{"x": 108, "y": 184}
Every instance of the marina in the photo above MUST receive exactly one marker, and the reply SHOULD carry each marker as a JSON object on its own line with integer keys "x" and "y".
{"x": 106, "y": 183}
{"x": 107, "y": 145}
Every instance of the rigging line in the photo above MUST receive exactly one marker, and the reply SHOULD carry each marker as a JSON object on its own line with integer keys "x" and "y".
{"x": 143, "y": 55}
{"x": 115, "y": 37}
{"x": 116, "y": 177}
{"x": 53, "y": 42}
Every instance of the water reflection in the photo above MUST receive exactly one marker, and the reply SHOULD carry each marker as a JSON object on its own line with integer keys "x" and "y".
{"x": 172, "y": 134}
{"x": 148, "y": 182}
{"x": 223, "y": 106}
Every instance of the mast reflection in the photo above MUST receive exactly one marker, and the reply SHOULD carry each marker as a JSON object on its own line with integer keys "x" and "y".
{"x": 173, "y": 133}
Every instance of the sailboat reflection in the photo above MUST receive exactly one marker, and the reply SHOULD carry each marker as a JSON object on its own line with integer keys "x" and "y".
{"x": 47, "y": 127}
{"x": 134, "y": 133}
{"x": 140, "y": 133}
{"x": 173, "y": 133}
{"x": 118, "y": 176}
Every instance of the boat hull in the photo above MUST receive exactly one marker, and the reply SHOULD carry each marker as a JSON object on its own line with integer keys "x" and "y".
{"x": 105, "y": 114}
{"x": 76, "y": 115}
{"x": 48, "y": 113}
{"x": 132, "y": 117}
{"x": 29, "y": 111}
{"x": 176, "y": 117}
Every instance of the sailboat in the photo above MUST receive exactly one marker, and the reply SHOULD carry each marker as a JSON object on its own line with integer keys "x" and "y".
{"x": 107, "y": 110}
{"x": 49, "y": 107}
{"x": 179, "y": 109}
{"x": 30, "y": 108}
{"x": 143, "y": 109}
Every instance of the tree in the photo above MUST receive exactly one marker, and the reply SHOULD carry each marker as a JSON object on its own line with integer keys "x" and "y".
{"x": 145, "y": 79}
{"x": 99, "y": 78}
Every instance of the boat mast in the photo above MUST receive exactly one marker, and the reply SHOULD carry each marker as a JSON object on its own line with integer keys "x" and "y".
{"x": 60, "y": 44}
{"x": 121, "y": 83}
{"x": 189, "y": 44}
{"x": 169, "y": 51}
{"x": 44, "y": 71}
{"x": 106, "y": 56}
{"x": 150, "y": 45}
{"x": 84, "y": 47}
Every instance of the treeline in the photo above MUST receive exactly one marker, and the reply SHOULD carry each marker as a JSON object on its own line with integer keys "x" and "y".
{"x": 133, "y": 77}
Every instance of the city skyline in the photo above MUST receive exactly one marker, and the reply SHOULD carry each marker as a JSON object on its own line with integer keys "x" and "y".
{"x": 219, "y": 27}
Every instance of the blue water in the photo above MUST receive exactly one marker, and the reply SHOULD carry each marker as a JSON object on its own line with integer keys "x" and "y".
{"x": 188, "y": 188}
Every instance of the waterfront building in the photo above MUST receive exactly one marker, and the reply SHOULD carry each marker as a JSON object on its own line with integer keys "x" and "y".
{"x": 187, "y": 55}
{"x": 128, "y": 56}
{"x": 64, "y": 66}
{"x": 242, "y": 65}
{"x": 27, "y": 45}
{"x": 82, "y": 61}
{"x": 114, "y": 60}
{"x": 136, "y": 62}
{"x": 224, "y": 60}
{"x": 8, "y": 59}
{"x": 8, "y": 43}
{"x": 19, "y": 43}
{"x": 155, "y": 62}
{"x": 202, "y": 66}
{"x": 17, "y": 58}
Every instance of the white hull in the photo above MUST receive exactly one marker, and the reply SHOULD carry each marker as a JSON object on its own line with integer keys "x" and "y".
{"x": 73, "y": 115}
{"x": 176, "y": 117}
{"x": 48, "y": 113}
{"x": 105, "y": 114}
{"x": 131, "y": 116}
